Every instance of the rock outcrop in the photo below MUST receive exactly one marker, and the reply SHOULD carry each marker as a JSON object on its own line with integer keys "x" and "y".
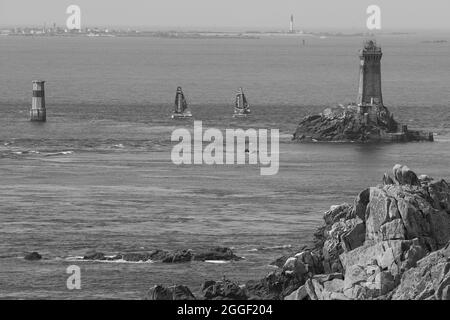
{"x": 429, "y": 279}
{"x": 392, "y": 242}
{"x": 352, "y": 124}
{"x": 156, "y": 255}
{"x": 223, "y": 290}
{"x": 386, "y": 242}
{"x": 176, "y": 292}
{"x": 179, "y": 256}
{"x": 33, "y": 256}
{"x": 275, "y": 285}
{"x": 217, "y": 253}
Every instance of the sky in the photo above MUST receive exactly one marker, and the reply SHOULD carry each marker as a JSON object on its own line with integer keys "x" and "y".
{"x": 232, "y": 14}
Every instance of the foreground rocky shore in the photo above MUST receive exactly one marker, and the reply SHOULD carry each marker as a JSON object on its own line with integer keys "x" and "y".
{"x": 392, "y": 242}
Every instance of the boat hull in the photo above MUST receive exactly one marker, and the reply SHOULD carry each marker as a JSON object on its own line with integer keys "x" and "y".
{"x": 239, "y": 113}
{"x": 181, "y": 115}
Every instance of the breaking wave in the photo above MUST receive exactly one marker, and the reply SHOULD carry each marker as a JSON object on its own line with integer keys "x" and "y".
{"x": 81, "y": 258}
{"x": 281, "y": 247}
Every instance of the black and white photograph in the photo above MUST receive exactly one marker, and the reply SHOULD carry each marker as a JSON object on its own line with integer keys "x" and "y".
{"x": 255, "y": 151}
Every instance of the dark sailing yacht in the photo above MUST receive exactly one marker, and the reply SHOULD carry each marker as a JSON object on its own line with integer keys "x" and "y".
{"x": 241, "y": 108}
{"x": 181, "y": 107}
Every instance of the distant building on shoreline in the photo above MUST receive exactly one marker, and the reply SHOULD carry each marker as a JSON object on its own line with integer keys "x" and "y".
{"x": 291, "y": 24}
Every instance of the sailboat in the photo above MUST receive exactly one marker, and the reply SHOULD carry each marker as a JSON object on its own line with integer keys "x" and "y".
{"x": 181, "y": 107}
{"x": 241, "y": 108}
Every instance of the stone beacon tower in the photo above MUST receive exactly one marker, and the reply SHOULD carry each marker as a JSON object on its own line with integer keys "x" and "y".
{"x": 38, "y": 112}
{"x": 369, "y": 92}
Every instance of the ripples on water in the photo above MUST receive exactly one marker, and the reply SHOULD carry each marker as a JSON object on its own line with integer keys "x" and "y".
{"x": 98, "y": 174}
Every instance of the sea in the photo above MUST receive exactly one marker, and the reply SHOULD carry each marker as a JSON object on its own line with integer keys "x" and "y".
{"x": 98, "y": 174}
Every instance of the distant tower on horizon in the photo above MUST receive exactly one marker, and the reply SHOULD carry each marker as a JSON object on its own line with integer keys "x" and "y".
{"x": 291, "y": 24}
{"x": 369, "y": 92}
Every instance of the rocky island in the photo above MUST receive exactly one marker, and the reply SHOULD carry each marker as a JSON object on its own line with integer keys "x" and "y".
{"x": 164, "y": 256}
{"x": 368, "y": 120}
{"x": 391, "y": 243}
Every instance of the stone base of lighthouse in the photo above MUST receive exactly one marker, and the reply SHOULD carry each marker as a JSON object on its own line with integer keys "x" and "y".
{"x": 38, "y": 115}
{"x": 356, "y": 124}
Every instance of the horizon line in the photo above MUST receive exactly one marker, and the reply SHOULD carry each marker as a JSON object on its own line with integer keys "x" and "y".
{"x": 228, "y": 28}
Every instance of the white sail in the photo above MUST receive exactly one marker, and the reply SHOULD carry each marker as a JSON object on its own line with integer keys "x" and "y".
{"x": 241, "y": 108}
{"x": 181, "y": 106}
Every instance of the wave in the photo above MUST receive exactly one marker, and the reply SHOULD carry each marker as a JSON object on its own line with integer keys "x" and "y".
{"x": 26, "y": 152}
{"x": 123, "y": 261}
{"x": 440, "y": 139}
{"x": 44, "y": 154}
{"x": 74, "y": 258}
{"x": 280, "y": 247}
{"x": 57, "y": 153}
{"x": 108, "y": 260}
{"x": 217, "y": 261}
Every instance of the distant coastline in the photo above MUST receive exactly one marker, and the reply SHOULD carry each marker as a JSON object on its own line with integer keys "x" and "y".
{"x": 435, "y": 41}
{"x": 170, "y": 34}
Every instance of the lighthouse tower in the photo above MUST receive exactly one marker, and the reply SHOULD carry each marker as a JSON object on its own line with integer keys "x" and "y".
{"x": 38, "y": 111}
{"x": 291, "y": 24}
{"x": 369, "y": 92}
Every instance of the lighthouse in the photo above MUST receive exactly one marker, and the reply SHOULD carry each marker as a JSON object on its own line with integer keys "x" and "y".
{"x": 38, "y": 112}
{"x": 369, "y": 92}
